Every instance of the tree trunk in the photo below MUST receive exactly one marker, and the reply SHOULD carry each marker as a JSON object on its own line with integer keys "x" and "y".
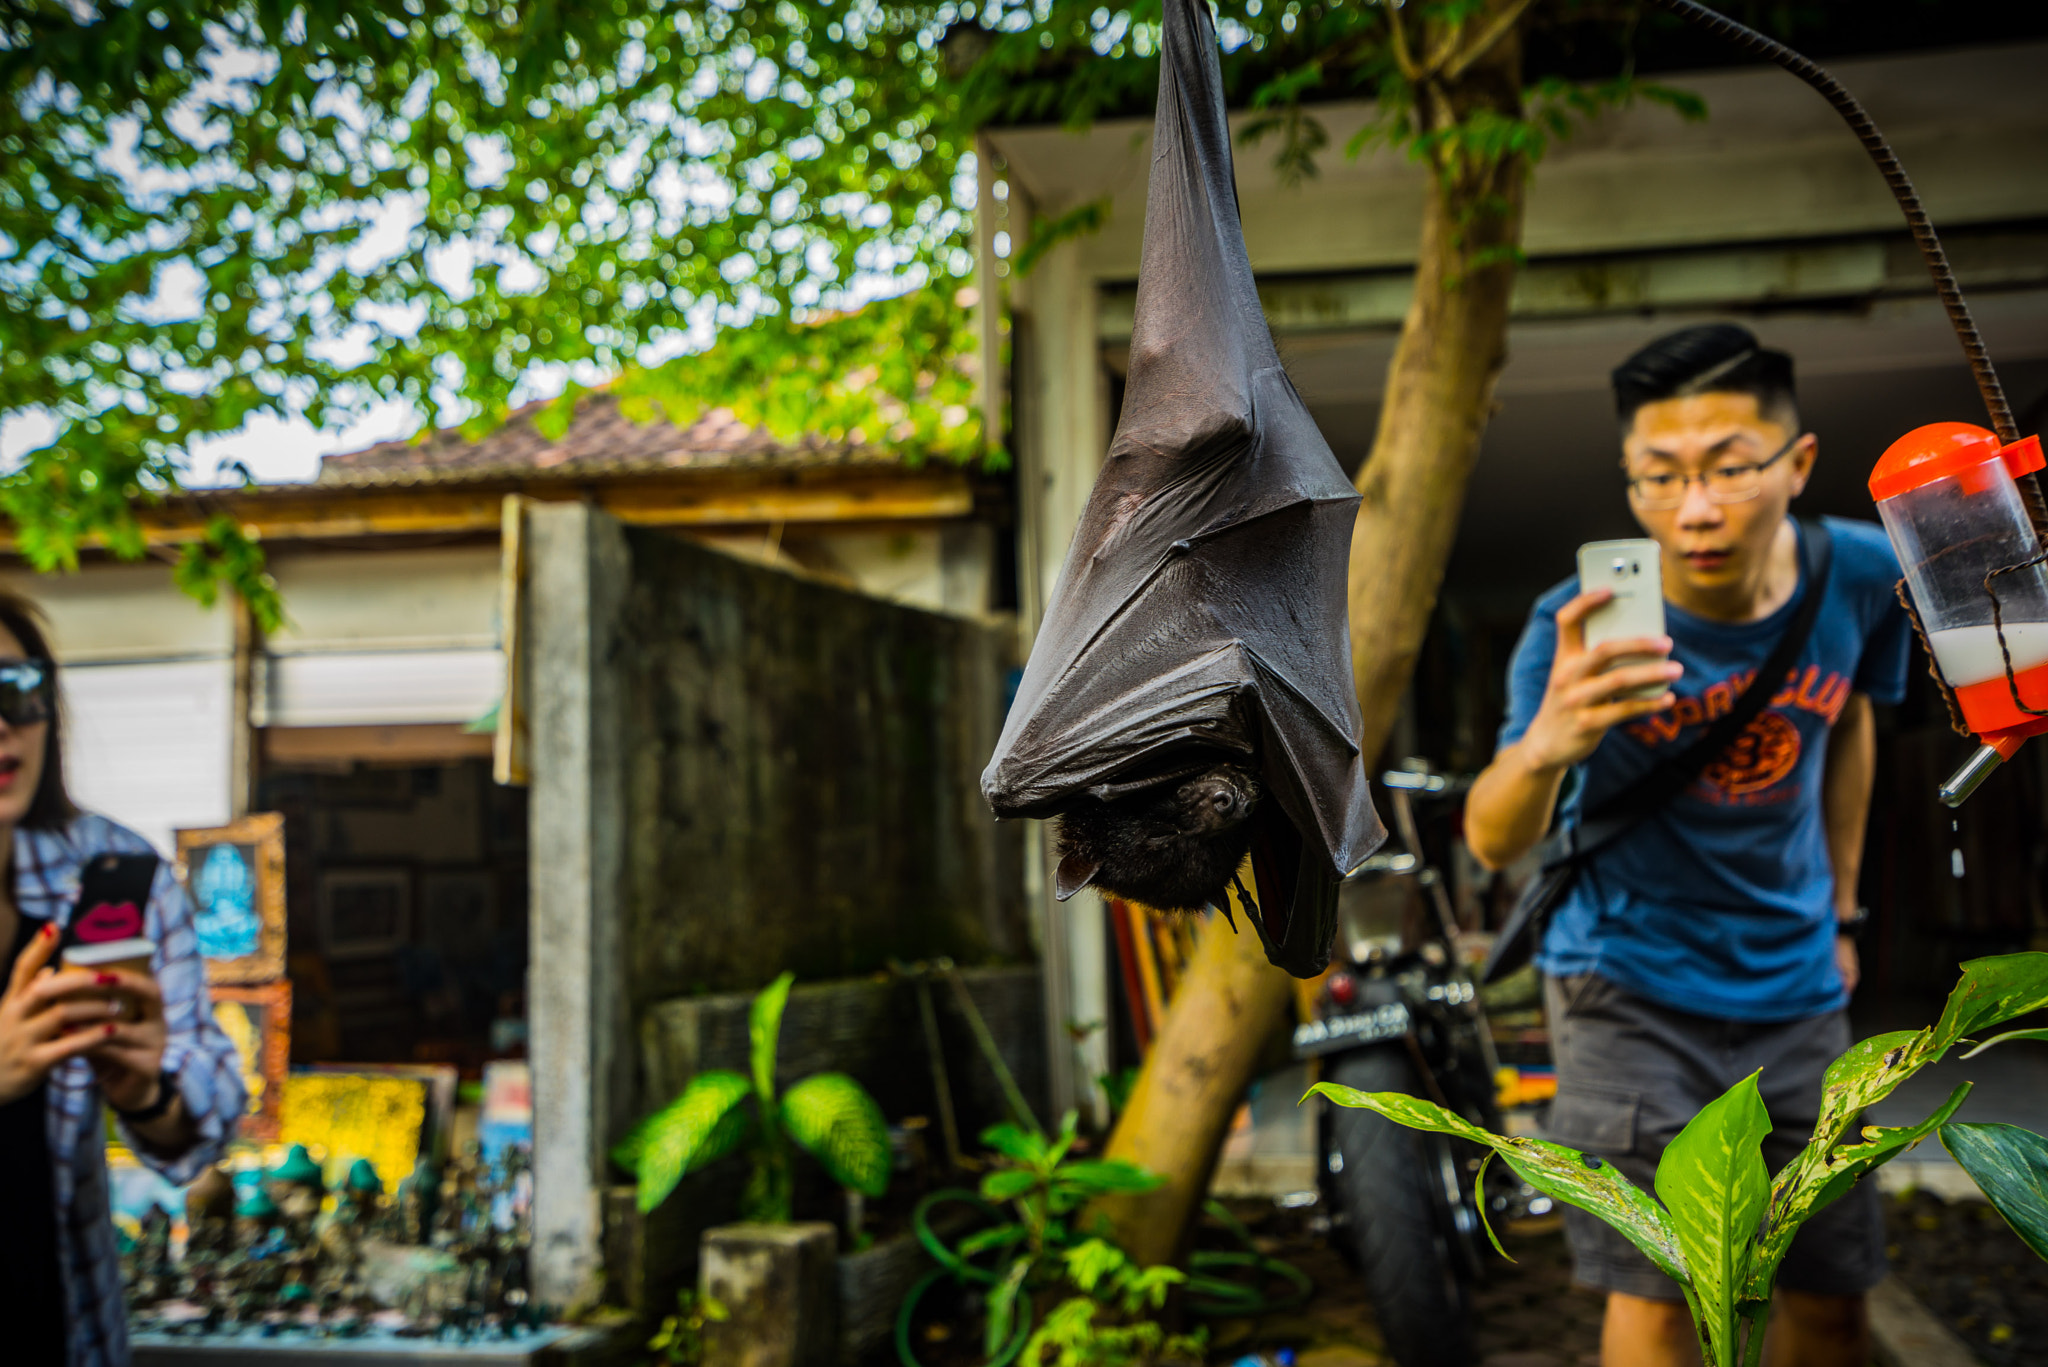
{"x": 1439, "y": 395}
{"x": 1227, "y": 1006}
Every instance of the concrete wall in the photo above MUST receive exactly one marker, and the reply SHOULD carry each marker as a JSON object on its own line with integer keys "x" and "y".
{"x": 803, "y": 778}
{"x": 735, "y": 771}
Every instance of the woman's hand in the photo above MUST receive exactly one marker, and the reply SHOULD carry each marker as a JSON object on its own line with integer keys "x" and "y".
{"x": 128, "y": 1058}
{"x": 46, "y": 1017}
{"x": 1581, "y": 703}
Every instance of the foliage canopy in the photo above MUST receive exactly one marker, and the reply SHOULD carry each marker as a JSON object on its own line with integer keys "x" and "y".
{"x": 211, "y": 212}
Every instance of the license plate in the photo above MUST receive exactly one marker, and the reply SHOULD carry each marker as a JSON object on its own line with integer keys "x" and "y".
{"x": 1343, "y": 1032}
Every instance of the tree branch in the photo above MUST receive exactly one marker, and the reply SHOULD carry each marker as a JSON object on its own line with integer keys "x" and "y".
{"x": 1397, "y": 38}
{"x": 1497, "y": 29}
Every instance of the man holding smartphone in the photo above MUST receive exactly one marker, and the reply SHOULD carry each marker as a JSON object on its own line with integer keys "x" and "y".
{"x": 1718, "y": 935}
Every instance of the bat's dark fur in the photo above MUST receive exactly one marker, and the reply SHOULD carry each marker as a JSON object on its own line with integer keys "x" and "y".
{"x": 1174, "y": 847}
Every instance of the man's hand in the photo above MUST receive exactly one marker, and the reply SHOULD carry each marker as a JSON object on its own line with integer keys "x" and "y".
{"x": 1581, "y": 703}
{"x": 46, "y": 1017}
{"x": 1849, "y": 962}
{"x": 128, "y": 1057}
{"x": 1510, "y": 805}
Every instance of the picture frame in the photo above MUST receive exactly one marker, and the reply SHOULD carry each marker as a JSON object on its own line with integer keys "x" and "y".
{"x": 257, "y": 1018}
{"x": 234, "y": 875}
{"x": 364, "y": 912}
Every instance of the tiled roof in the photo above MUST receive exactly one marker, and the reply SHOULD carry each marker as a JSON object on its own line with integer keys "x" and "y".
{"x": 600, "y": 440}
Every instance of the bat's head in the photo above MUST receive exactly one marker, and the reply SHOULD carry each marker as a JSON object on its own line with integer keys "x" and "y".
{"x": 1174, "y": 846}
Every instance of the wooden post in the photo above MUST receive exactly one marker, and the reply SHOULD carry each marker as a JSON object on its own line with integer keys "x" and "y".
{"x": 244, "y": 743}
{"x": 780, "y": 1290}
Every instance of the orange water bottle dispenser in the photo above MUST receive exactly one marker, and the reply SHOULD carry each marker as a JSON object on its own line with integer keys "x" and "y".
{"x": 1948, "y": 497}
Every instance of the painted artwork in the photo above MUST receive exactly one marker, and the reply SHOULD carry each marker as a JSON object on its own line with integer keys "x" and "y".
{"x": 342, "y": 1116}
{"x": 258, "y": 1021}
{"x": 506, "y": 1121}
{"x": 234, "y": 875}
{"x": 224, "y": 894}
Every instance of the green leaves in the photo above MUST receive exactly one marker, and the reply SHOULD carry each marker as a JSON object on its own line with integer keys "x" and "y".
{"x": 1724, "y": 1229}
{"x": 1816, "y": 1179}
{"x": 829, "y": 1115}
{"x": 838, "y": 1123}
{"x": 2010, "y": 1166}
{"x": 1563, "y": 1174}
{"x": 1993, "y": 990}
{"x": 2007, "y": 1038}
{"x": 1713, "y": 1184}
{"x": 764, "y": 1028}
{"x": 701, "y": 1126}
{"x": 225, "y": 211}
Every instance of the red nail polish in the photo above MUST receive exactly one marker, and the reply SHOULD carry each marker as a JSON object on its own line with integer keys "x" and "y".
{"x": 106, "y": 980}
{"x": 112, "y": 1028}
{"x": 49, "y": 930}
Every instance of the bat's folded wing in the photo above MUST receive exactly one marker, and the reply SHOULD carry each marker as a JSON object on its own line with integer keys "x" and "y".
{"x": 1200, "y": 614}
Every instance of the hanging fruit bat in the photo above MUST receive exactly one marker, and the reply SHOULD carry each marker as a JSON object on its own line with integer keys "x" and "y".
{"x": 1189, "y": 697}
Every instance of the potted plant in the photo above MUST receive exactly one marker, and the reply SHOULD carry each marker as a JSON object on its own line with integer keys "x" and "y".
{"x": 828, "y": 1115}
{"x": 1725, "y": 1224}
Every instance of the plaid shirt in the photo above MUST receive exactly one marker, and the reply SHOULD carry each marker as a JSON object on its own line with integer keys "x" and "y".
{"x": 47, "y": 864}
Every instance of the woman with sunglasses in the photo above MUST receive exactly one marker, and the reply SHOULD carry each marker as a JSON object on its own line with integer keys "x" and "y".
{"x": 74, "y": 1040}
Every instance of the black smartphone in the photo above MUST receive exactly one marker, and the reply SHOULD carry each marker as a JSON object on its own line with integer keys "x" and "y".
{"x": 113, "y": 900}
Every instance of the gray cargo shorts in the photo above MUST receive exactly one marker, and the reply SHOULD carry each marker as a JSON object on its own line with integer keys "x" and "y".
{"x": 1632, "y": 1073}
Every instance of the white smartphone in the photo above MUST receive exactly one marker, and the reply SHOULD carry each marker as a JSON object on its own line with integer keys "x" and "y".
{"x": 1635, "y": 574}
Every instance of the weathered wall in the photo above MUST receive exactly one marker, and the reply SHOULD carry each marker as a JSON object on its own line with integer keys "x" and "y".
{"x": 871, "y": 1028}
{"x": 736, "y": 771}
{"x": 802, "y": 790}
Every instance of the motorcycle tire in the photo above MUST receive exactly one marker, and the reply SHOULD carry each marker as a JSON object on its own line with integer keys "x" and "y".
{"x": 1392, "y": 1224}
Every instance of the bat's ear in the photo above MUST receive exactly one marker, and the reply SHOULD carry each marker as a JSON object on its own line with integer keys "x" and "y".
{"x": 1076, "y": 871}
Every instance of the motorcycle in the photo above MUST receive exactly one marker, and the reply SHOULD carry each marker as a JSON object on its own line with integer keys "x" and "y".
{"x": 1400, "y": 1012}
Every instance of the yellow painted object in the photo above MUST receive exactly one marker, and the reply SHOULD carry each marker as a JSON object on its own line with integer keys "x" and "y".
{"x": 341, "y": 1117}
{"x": 1513, "y": 1087}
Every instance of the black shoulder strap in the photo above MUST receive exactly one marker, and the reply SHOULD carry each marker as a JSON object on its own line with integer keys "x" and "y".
{"x": 1619, "y": 814}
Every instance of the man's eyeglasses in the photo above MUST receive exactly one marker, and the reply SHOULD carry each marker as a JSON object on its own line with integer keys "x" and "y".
{"x": 1726, "y": 483}
{"x": 25, "y": 691}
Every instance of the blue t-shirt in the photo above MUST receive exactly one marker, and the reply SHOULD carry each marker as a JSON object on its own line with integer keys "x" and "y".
{"x": 1722, "y": 903}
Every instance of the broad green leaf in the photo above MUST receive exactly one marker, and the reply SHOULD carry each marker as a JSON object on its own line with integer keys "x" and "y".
{"x": 1002, "y": 1305}
{"x": 1096, "y": 1176}
{"x": 1002, "y": 1236}
{"x": 833, "y": 1117}
{"x": 1007, "y": 1184}
{"x": 1865, "y": 1074}
{"x": 1089, "y": 1261}
{"x": 2010, "y": 1166}
{"x": 702, "y": 1125}
{"x": 764, "y": 1028}
{"x": 2007, "y": 1038}
{"x": 1993, "y": 989}
{"x": 1590, "y": 1183}
{"x": 1015, "y": 1143}
{"x": 1713, "y": 1183}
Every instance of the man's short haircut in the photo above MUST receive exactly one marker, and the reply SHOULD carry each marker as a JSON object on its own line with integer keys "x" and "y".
{"x": 1713, "y": 358}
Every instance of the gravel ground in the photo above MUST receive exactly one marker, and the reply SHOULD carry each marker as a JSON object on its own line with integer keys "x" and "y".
{"x": 1974, "y": 1274}
{"x": 1529, "y": 1313}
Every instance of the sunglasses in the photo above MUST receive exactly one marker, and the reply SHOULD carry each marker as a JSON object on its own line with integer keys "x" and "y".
{"x": 26, "y": 690}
